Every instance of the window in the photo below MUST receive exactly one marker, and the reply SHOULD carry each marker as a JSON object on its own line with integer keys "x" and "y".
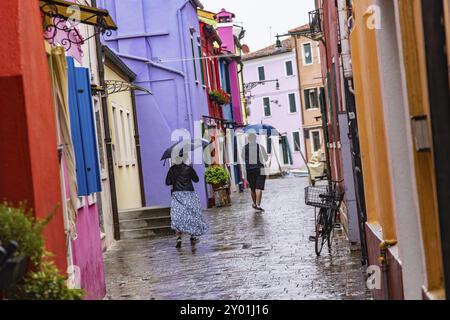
{"x": 83, "y": 131}
{"x": 99, "y": 130}
{"x": 267, "y": 111}
{"x": 131, "y": 137}
{"x": 125, "y": 144}
{"x": 261, "y": 74}
{"x": 289, "y": 68}
{"x": 311, "y": 99}
{"x": 296, "y": 140}
{"x": 307, "y": 54}
{"x": 117, "y": 142}
{"x": 292, "y": 103}
{"x": 316, "y": 142}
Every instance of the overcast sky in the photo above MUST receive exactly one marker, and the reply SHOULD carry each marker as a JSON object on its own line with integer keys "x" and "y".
{"x": 261, "y": 18}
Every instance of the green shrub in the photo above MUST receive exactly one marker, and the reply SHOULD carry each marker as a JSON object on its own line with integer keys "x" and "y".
{"x": 216, "y": 175}
{"x": 43, "y": 280}
{"x": 46, "y": 284}
{"x": 19, "y": 225}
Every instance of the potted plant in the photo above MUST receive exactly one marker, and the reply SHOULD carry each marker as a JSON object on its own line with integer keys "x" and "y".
{"x": 218, "y": 178}
{"x": 28, "y": 273}
{"x": 219, "y": 96}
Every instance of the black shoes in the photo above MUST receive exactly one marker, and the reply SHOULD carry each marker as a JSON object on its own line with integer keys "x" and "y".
{"x": 257, "y": 208}
{"x": 194, "y": 240}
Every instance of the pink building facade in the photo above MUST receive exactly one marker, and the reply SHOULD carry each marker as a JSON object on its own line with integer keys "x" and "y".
{"x": 277, "y": 102}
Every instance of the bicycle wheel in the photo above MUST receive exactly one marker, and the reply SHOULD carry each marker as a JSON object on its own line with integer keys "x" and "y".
{"x": 330, "y": 227}
{"x": 320, "y": 231}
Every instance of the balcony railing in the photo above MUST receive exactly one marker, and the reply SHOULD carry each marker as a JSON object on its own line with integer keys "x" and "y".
{"x": 315, "y": 24}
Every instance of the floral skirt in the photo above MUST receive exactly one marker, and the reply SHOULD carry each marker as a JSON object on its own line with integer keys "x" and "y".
{"x": 186, "y": 213}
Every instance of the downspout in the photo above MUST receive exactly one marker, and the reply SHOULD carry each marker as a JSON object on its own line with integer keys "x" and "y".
{"x": 138, "y": 148}
{"x": 185, "y": 68}
{"x": 108, "y": 140}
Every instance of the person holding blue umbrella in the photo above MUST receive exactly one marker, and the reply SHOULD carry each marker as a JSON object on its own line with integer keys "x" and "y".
{"x": 255, "y": 156}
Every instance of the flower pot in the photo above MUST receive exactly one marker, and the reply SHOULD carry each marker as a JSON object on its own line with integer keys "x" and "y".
{"x": 222, "y": 197}
{"x": 13, "y": 271}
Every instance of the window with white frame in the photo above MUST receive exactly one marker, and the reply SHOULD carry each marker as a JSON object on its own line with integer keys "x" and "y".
{"x": 266, "y": 104}
{"x": 261, "y": 73}
{"x": 307, "y": 53}
{"x": 117, "y": 139}
{"x": 125, "y": 158}
{"x": 131, "y": 137}
{"x": 289, "y": 68}
{"x": 296, "y": 141}
{"x": 292, "y": 103}
{"x": 316, "y": 140}
{"x": 311, "y": 98}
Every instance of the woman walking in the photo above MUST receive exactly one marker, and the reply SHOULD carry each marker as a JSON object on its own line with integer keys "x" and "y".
{"x": 185, "y": 209}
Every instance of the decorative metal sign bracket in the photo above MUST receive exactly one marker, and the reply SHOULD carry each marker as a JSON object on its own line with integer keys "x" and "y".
{"x": 61, "y": 20}
{"x": 116, "y": 86}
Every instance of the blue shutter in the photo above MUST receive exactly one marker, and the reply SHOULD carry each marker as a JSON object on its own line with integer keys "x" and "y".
{"x": 83, "y": 130}
{"x": 75, "y": 128}
{"x": 86, "y": 113}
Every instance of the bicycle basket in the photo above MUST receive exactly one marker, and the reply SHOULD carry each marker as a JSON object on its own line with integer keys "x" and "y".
{"x": 314, "y": 196}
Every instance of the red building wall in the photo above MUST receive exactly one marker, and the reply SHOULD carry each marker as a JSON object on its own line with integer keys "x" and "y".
{"x": 331, "y": 56}
{"x": 210, "y": 69}
{"x": 29, "y": 169}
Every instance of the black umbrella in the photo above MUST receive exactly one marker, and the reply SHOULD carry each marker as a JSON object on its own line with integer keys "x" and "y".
{"x": 191, "y": 144}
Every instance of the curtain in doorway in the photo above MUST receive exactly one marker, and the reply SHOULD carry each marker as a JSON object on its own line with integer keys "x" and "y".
{"x": 61, "y": 96}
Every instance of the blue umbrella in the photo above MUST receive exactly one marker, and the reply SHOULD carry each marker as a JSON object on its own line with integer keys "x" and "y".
{"x": 261, "y": 129}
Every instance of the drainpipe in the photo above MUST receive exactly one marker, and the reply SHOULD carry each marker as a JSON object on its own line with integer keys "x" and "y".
{"x": 384, "y": 247}
{"x": 108, "y": 140}
{"x": 185, "y": 68}
{"x": 138, "y": 148}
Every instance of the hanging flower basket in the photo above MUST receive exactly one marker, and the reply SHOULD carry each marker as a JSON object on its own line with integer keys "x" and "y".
{"x": 219, "y": 96}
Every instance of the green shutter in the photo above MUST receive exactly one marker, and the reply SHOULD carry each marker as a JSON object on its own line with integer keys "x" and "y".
{"x": 267, "y": 111}
{"x": 202, "y": 69}
{"x": 307, "y": 102}
{"x": 261, "y": 73}
{"x": 193, "y": 59}
{"x": 292, "y": 103}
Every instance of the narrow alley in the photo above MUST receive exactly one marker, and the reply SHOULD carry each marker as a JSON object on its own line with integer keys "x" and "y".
{"x": 245, "y": 255}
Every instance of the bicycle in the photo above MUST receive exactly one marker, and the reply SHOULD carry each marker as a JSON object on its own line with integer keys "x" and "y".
{"x": 328, "y": 199}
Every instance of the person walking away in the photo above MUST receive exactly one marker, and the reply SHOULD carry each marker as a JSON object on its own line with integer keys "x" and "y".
{"x": 255, "y": 156}
{"x": 185, "y": 208}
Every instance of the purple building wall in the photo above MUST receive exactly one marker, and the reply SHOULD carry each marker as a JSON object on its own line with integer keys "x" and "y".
{"x": 154, "y": 39}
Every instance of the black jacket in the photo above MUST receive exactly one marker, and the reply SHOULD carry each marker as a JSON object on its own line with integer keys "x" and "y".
{"x": 180, "y": 177}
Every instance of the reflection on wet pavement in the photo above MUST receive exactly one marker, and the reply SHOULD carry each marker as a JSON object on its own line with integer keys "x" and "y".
{"x": 245, "y": 255}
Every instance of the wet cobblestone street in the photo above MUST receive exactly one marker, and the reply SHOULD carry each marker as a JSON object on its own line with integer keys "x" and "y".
{"x": 244, "y": 255}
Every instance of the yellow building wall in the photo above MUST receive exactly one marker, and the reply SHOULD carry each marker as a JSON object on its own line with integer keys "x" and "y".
{"x": 413, "y": 41}
{"x": 310, "y": 77}
{"x": 126, "y": 173}
{"x": 374, "y": 154}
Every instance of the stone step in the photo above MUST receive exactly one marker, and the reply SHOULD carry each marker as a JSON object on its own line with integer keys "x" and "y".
{"x": 145, "y": 233}
{"x": 144, "y": 213}
{"x": 152, "y": 222}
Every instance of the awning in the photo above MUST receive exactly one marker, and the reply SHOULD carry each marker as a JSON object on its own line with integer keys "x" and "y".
{"x": 88, "y": 15}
